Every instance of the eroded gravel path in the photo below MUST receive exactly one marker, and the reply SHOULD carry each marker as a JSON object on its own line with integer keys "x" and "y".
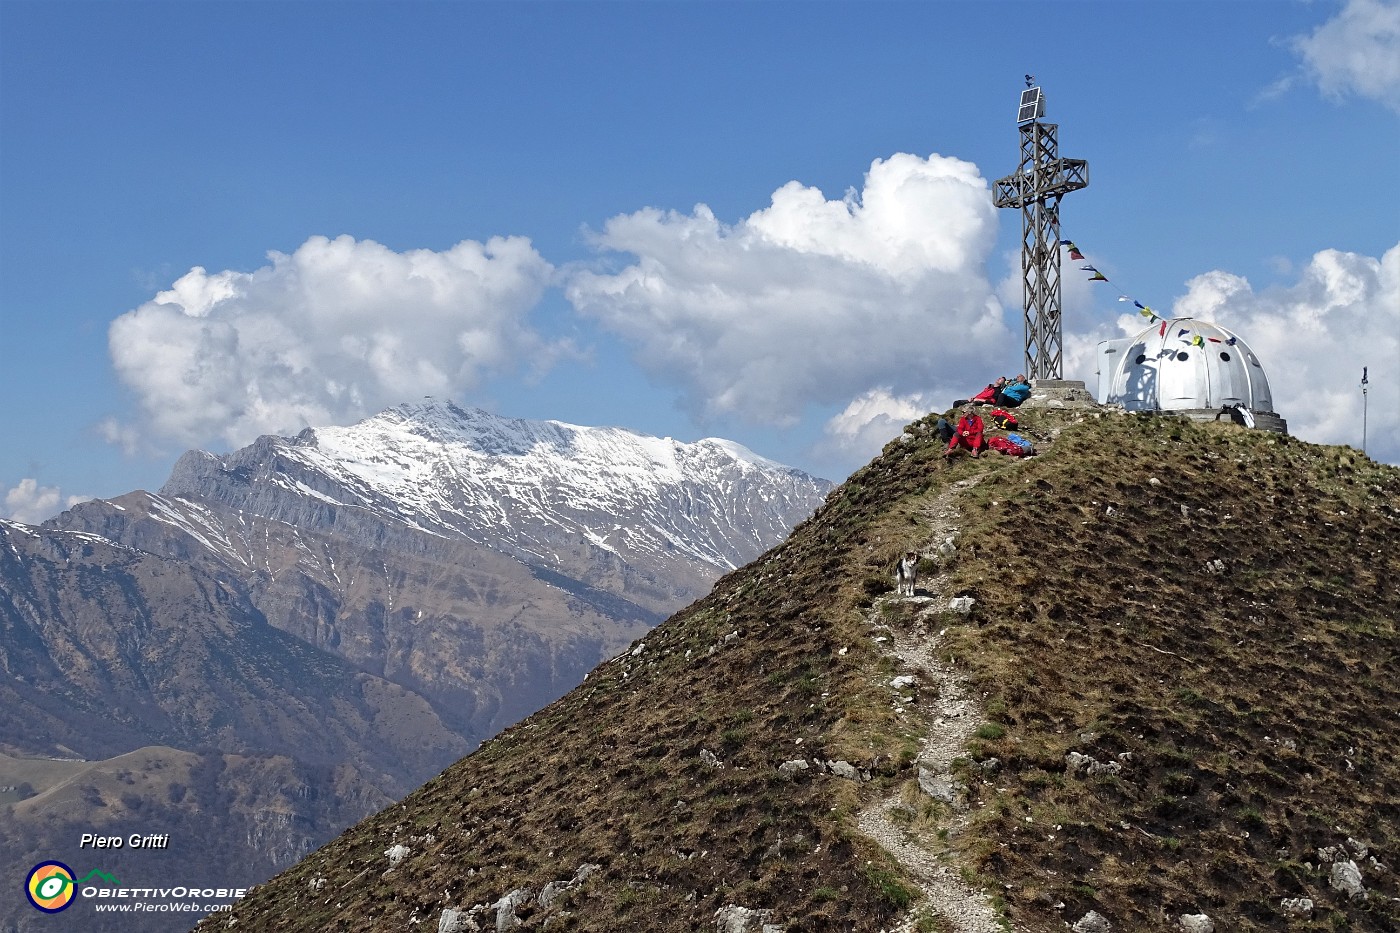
{"x": 951, "y": 716}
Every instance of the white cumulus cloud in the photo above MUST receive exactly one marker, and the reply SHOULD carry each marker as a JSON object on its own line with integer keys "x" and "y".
{"x": 872, "y": 420}
{"x": 1313, "y": 338}
{"x": 30, "y": 503}
{"x": 811, "y": 301}
{"x": 333, "y": 332}
{"x": 1356, "y": 52}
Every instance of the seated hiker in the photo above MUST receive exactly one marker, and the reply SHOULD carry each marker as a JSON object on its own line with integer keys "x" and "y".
{"x": 944, "y": 429}
{"x": 967, "y": 434}
{"x": 1004, "y": 419}
{"x": 1014, "y": 392}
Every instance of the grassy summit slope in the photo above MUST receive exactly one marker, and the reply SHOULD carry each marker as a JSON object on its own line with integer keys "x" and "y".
{"x": 1253, "y": 710}
{"x": 1250, "y": 713}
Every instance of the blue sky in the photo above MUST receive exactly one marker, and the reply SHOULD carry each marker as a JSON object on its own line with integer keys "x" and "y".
{"x": 764, "y": 221}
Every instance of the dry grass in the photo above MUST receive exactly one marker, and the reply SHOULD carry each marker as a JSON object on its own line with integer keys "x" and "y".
{"x": 1252, "y": 710}
{"x": 1097, "y": 633}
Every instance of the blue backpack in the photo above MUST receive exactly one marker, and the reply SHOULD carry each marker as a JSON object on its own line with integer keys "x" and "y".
{"x": 1020, "y": 442}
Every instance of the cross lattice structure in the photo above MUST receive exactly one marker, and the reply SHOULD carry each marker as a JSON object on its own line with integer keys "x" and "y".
{"x": 1036, "y": 187}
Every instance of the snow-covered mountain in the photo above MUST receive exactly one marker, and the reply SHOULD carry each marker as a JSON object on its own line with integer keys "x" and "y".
{"x": 533, "y": 489}
{"x": 485, "y": 562}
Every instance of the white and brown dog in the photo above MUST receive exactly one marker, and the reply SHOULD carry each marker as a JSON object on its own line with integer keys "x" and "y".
{"x": 906, "y": 574}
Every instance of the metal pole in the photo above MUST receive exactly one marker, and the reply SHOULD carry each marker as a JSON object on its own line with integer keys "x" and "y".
{"x": 1363, "y": 408}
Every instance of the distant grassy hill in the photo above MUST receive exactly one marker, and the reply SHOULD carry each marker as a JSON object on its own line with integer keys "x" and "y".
{"x": 1183, "y": 646}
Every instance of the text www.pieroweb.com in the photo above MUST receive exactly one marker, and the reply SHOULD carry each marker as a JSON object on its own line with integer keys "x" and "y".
{"x": 143, "y": 907}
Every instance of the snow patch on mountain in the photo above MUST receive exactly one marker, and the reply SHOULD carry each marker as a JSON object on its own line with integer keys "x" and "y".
{"x": 449, "y": 470}
{"x": 551, "y": 494}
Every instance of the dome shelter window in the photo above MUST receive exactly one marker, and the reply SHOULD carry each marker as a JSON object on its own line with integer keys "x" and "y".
{"x": 1224, "y": 356}
{"x": 1183, "y": 356}
{"x": 1142, "y": 358}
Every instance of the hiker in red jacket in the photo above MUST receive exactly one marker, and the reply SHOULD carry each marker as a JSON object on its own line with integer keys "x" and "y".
{"x": 967, "y": 434}
{"x": 989, "y": 395}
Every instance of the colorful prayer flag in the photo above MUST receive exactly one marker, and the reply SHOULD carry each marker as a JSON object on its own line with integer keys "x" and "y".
{"x": 1196, "y": 341}
{"x": 1162, "y": 331}
{"x": 1098, "y": 277}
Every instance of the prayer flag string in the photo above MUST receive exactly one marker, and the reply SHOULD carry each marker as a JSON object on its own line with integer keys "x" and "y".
{"x": 1077, "y": 255}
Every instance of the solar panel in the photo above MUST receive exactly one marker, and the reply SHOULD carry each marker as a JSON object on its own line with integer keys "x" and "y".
{"x": 1032, "y": 105}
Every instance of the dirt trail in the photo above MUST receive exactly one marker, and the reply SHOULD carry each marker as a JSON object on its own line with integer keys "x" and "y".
{"x": 951, "y": 718}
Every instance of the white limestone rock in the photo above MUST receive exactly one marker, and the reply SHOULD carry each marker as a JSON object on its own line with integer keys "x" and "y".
{"x": 732, "y": 918}
{"x": 1197, "y": 923}
{"x": 550, "y": 893}
{"x": 453, "y": 921}
{"x": 843, "y": 769}
{"x": 1092, "y": 922}
{"x": 1346, "y": 878}
{"x": 507, "y": 906}
{"x": 941, "y": 787}
{"x": 1077, "y": 763}
{"x": 1329, "y": 854}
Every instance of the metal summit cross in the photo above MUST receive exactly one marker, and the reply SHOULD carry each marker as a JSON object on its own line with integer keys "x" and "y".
{"x": 1036, "y": 187}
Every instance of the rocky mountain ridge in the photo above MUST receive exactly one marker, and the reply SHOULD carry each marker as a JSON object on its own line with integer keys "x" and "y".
{"x": 485, "y": 562}
{"x": 527, "y": 488}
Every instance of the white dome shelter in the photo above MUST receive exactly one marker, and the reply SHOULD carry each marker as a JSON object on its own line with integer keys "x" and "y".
{"x": 1188, "y": 367}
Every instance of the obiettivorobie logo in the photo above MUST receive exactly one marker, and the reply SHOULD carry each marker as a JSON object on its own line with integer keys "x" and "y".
{"x": 51, "y": 886}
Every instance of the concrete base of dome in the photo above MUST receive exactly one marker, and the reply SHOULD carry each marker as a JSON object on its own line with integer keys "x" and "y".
{"x": 1263, "y": 420}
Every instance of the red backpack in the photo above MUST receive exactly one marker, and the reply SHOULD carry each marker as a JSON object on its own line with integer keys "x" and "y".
{"x": 1004, "y": 419}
